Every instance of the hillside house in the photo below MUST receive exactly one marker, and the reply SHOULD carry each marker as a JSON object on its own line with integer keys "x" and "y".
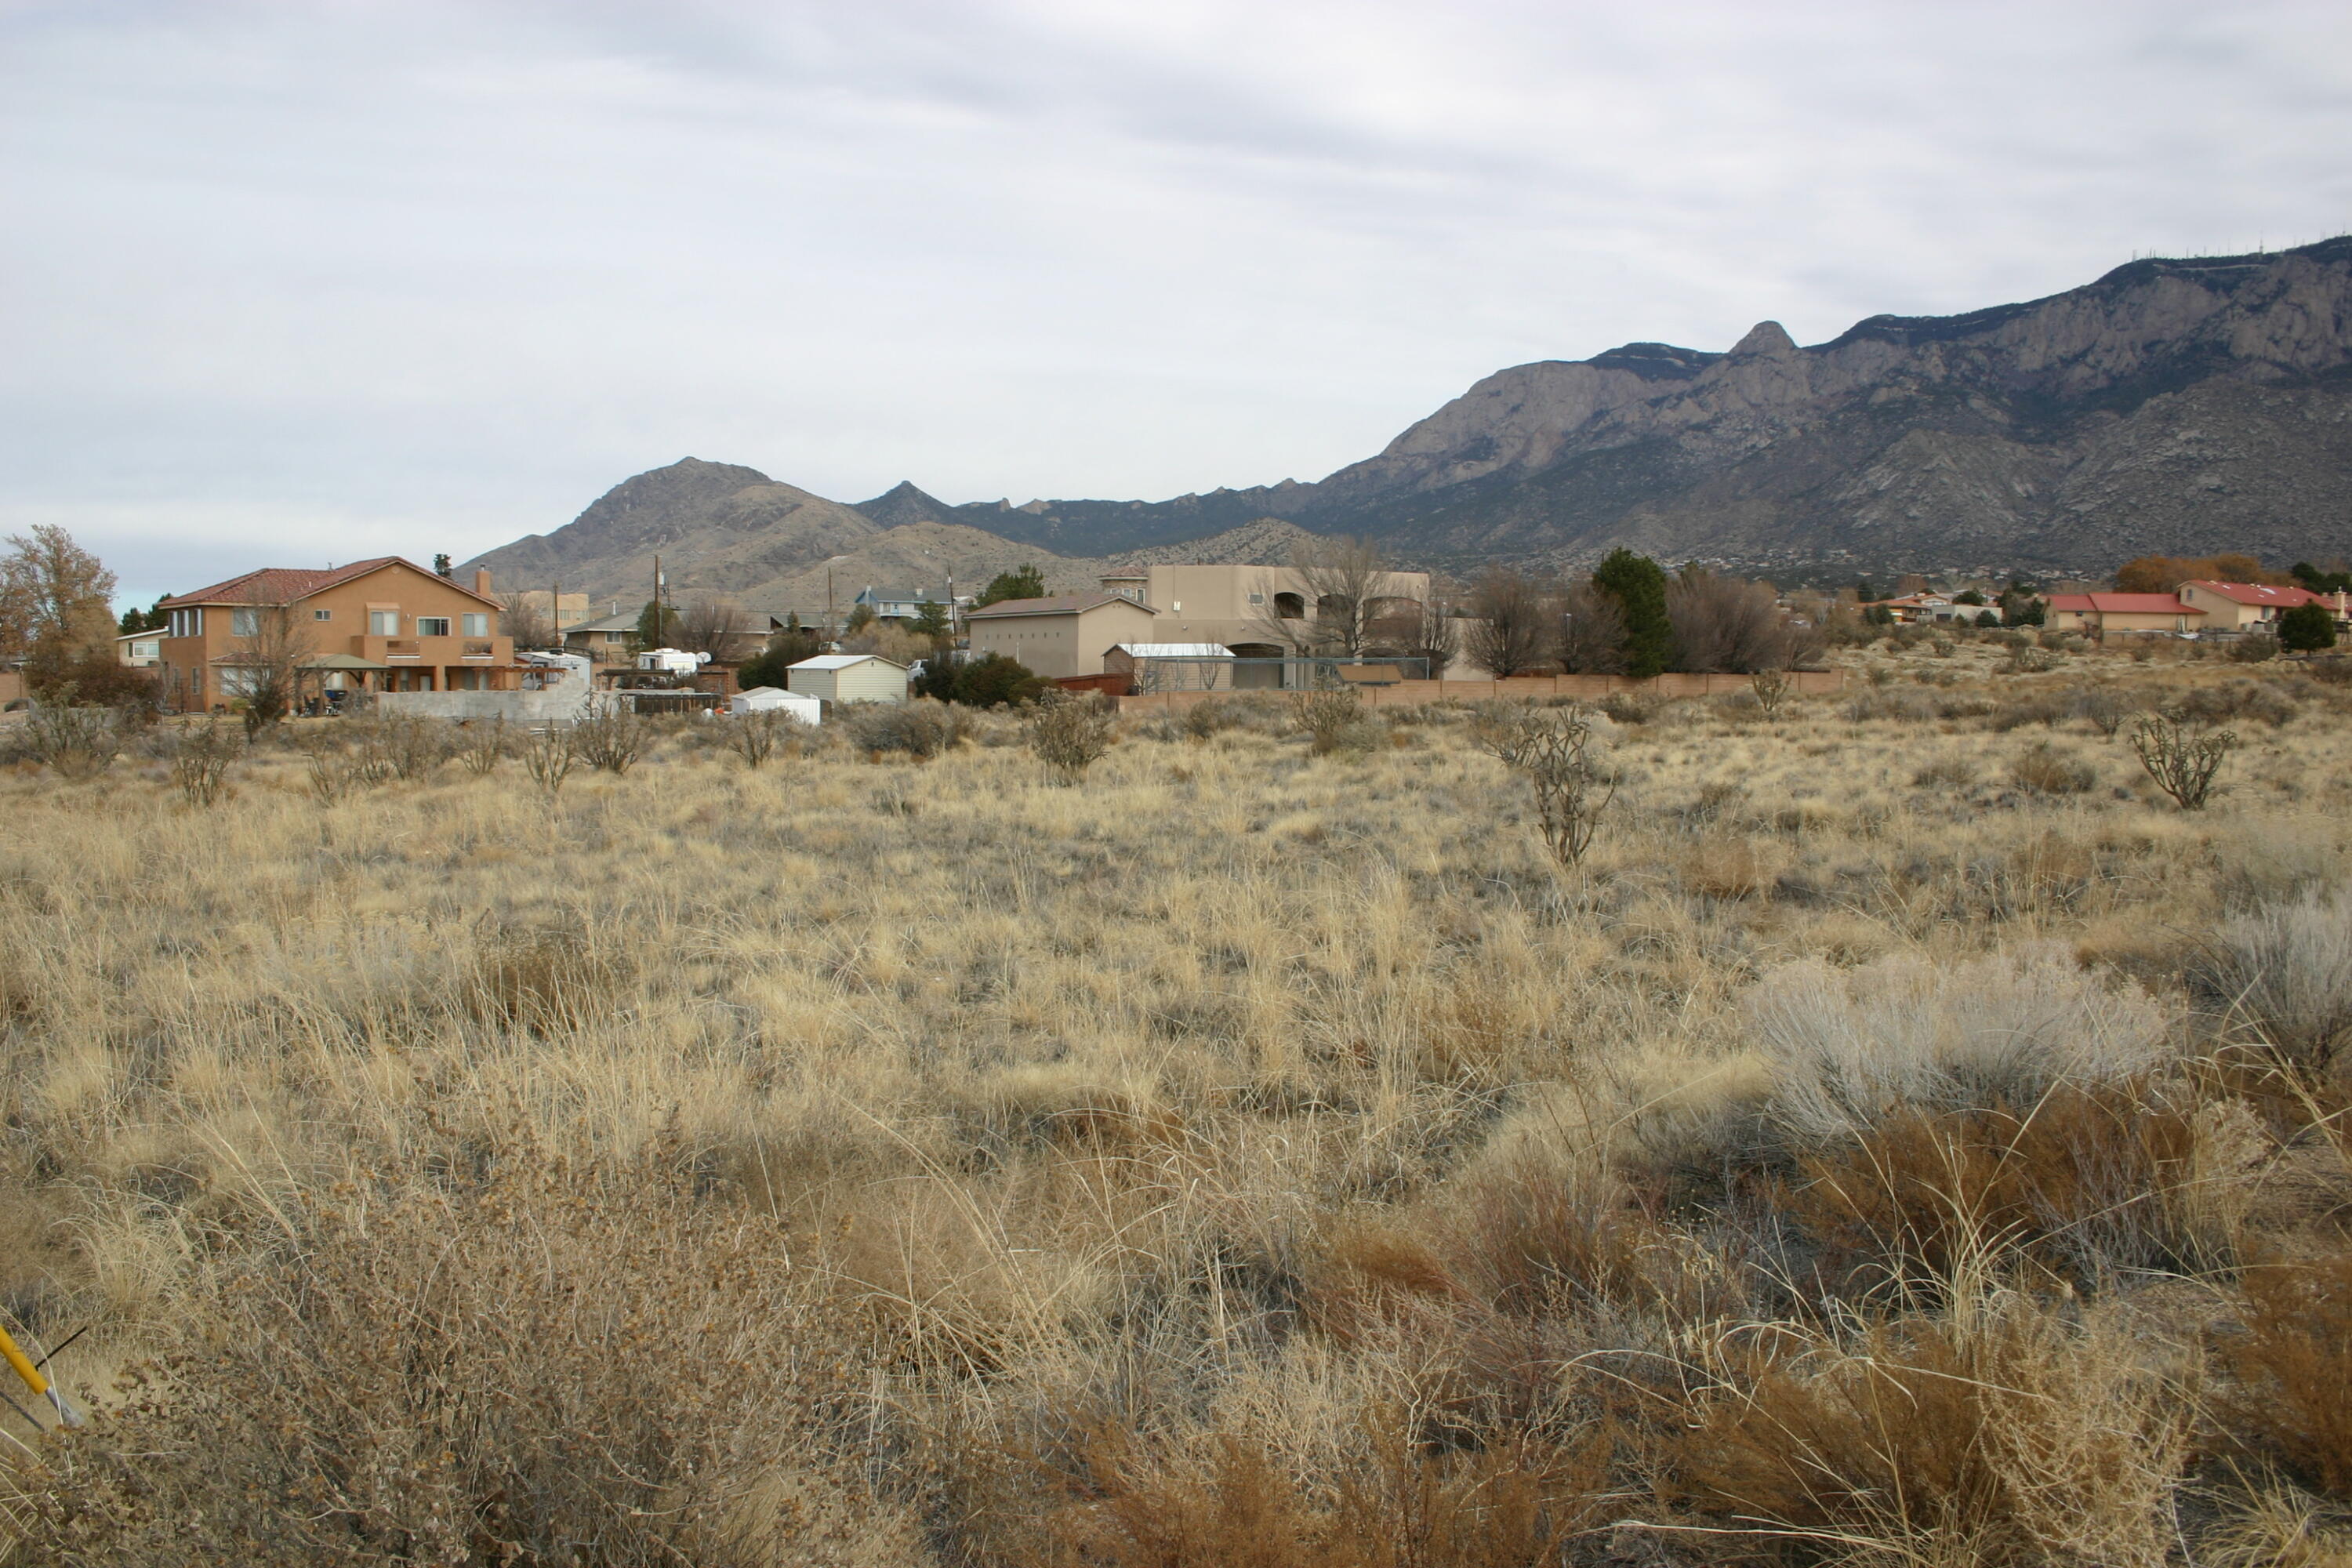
{"x": 384, "y": 624}
{"x": 1060, "y": 637}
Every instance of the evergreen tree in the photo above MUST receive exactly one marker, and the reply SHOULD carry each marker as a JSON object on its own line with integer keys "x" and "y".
{"x": 2307, "y": 628}
{"x": 1639, "y": 585}
{"x": 1028, "y": 583}
{"x": 656, "y": 625}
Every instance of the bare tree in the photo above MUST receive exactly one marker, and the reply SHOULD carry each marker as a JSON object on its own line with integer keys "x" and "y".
{"x": 267, "y": 650}
{"x": 1335, "y": 594}
{"x": 1591, "y": 631}
{"x": 1427, "y": 630}
{"x": 1725, "y": 623}
{"x": 1511, "y": 620}
{"x": 720, "y": 627}
{"x": 521, "y": 618}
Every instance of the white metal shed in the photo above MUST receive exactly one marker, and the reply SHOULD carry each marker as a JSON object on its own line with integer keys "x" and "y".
{"x": 849, "y": 677}
{"x": 770, "y": 700}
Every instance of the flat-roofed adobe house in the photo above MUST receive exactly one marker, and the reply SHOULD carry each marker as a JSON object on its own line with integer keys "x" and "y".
{"x": 1061, "y": 636}
{"x": 2101, "y": 614}
{"x": 385, "y": 624}
{"x": 1257, "y": 612}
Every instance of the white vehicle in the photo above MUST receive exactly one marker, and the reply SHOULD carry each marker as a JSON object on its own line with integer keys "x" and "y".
{"x": 671, "y": 661}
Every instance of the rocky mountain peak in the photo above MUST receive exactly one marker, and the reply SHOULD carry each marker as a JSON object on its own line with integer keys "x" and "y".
{"x": 1767, "y": 338}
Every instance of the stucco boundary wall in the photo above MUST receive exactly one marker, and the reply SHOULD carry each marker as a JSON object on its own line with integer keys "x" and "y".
{"x": 554, "y": 706}
{"x": 1803, "y": 681}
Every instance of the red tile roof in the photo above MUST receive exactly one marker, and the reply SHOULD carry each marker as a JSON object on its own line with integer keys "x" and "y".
{"x": 1062, "y": 604}
{"x": 290, "y": 584}
{"x": 2284, "y": 598}
{"x": 2123, "y": 604}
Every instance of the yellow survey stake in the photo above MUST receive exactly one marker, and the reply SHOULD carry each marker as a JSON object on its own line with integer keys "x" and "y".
{"x": 34, "y": 1380}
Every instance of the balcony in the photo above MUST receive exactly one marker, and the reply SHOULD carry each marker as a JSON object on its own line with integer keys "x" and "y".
{"x": 433, "y": 651}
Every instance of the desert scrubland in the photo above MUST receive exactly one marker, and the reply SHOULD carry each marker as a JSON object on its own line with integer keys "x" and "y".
{"x": 1906, "y": 1138}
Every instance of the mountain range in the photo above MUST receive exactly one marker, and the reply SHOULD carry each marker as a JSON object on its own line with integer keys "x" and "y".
{"x": 2175, "y": 406}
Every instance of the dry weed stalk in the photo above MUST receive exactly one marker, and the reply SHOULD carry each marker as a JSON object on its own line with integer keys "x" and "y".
{"x": 200, "y": 761}
{"x": 548, "y": 755}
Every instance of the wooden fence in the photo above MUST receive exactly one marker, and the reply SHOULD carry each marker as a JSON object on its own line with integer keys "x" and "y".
{"x": 1518, "y": 686}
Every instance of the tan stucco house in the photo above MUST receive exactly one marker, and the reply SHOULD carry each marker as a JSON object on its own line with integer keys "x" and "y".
{"x": 2099, "y": 614}
{"x": 1259, "y": 612}
{"x": 1061, "y": 636}
{"x": 384, "y": 624}
{"x": 2253, "y": 606}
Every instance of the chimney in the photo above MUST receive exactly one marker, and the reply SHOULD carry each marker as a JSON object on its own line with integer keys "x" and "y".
{"x": 482, "y": 581}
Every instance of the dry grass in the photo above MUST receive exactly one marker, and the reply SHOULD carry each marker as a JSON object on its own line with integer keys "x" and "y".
{"x": 1253, "y": 1156}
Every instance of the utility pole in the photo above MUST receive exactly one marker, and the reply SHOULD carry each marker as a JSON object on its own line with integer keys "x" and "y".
{"x": 828, "y": 608}
{"x": 658, "y": 628}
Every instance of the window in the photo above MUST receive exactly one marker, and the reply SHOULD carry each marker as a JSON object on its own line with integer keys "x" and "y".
{"x": 245, "y": 623}
{"x": 384, "y": 623}
{"x": 477, "y": 625}
{"x": 1257, "y": 598}
{"x": 433, "y": 626}
{"x": 322, "y": 615}
{"x": 187, "y": 623}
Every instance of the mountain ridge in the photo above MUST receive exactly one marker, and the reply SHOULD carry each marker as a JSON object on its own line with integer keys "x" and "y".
{"x": 2176, "y": 406}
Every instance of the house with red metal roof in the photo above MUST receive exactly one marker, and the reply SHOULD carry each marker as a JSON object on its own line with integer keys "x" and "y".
{"x": 2256, "y": 606}
{"x": 383, "y": 624}
{"x": 2098, "y": 614}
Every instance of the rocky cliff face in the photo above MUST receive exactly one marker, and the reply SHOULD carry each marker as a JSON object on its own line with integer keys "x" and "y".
{"x": 2176, "y": 406}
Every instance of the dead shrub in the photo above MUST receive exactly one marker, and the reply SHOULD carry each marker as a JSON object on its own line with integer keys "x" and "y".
{"x": 921, "y": 729}
{"x": 546, "y": 979}
{"x": 2042, "y": 769}
{"x": 481, "y": 747}
{"x": 2083, "y": 1183}
{"x": 1070, "y": 732}
{"x": 2289, "y": 1394}
{"x": 1510, "y": 1502}
{"x": 1728, "y": 868}
{"x": 1998, "y": 1441}
{"x": 611, "y": 738}
{"x": 2287, "y": 970}
{"x": 1335, "y": 720}
{"x": 1952, "y": 772}
{"x": 201, "y": 759}
{"x": 417, "y": 1377}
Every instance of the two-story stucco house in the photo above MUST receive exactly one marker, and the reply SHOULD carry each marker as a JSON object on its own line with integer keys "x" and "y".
{"x": 385, "y": 624}
{"x": 1259, "y": 612}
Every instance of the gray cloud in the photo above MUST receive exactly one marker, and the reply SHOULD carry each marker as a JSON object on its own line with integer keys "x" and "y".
{"x": 300, "y": 282}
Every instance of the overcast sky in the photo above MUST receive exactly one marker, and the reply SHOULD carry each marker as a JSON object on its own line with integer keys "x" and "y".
{"x": 285, "y": 283}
